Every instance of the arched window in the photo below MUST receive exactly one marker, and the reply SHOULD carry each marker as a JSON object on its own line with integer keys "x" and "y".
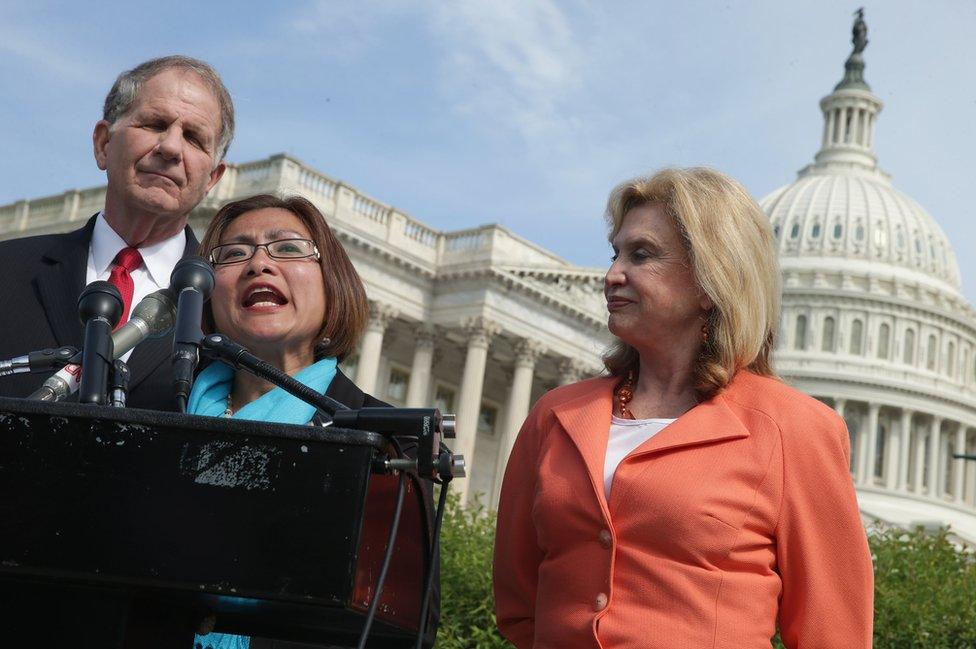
{"x": 965, "y": 362}
{"x": 951, "y": 359}
{"x": 859, "y": 232}
{"x": 815, "y": 231}
{"x": 909, "y": 355}
{"x": 776, "y": 231}
{"x": 857, "y": 334}
{"x": 795, "y": 231}
{"x": 827, "y": 344}
{"x": 884, "y": 333}
{"x": 838, "y": 230}
{"x": 800, "y": 337}
{"x": 930, "y": 353}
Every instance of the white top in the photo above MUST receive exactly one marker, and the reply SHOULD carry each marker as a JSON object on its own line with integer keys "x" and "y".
{"x": 625, "y": 436}
{"x": 158, "y": 261}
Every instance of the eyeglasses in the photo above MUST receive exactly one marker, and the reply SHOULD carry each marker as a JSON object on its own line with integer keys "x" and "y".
{"x": 283, "y": 249}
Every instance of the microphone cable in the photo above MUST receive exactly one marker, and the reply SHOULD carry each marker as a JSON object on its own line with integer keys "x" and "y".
{"x": 435, "y": 547}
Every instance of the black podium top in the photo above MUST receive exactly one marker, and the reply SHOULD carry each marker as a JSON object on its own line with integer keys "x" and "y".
{"x": 267, "y": 526}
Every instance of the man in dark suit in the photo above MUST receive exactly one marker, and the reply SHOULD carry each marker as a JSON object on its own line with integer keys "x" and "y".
{"x": 165, "y": 130}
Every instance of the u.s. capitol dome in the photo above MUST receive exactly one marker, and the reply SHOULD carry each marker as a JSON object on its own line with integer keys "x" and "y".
{"x": 874, "y": 323}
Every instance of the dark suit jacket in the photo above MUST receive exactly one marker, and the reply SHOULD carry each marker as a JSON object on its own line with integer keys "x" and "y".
{"x": 44, "y": 275}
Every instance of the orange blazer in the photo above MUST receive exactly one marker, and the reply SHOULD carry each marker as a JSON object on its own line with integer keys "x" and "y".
{"x": 739, "y": 514}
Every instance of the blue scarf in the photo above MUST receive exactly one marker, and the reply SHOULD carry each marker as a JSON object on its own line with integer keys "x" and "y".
{"x": 213, "y": 385}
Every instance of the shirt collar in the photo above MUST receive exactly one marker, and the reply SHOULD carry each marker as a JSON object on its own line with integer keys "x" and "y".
{"x": 159, "y": 258}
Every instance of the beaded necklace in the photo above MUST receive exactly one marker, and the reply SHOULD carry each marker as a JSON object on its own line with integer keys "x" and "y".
{"x": 624, "y": 394}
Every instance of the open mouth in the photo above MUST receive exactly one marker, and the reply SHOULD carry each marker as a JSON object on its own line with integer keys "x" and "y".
{"x": 263, "y": 296}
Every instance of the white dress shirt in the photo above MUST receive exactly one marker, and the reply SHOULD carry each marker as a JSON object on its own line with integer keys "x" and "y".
{"x": 158, "y": 261}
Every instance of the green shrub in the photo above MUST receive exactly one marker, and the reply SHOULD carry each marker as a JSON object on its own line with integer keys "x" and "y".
{"x": 467, "y": 603}
{"x": 925, "y": 588}
{"x": 924, "y": 592}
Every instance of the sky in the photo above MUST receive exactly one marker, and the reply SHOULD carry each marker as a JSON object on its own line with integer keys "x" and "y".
{"x": 519, "y": 112}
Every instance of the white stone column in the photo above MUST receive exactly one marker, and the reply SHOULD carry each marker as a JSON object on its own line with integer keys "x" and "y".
{"x": 380, "y": 316}
{"x": 871, "y": 452}
{"x": 935, "y": 450}
{"x": 905, "y": 432}
{"x": 892, "y": 458}
{"x": 920, "y": 446}
{"x": 423, "y": 360}
{"x": 480, "y": 332}
{"x": 959, "y": 466}
{"x": 971, "y": 476}
{"x": 839, "y": 409}
{"x": 861, "y": 443}
{"x": 527, "y": 352}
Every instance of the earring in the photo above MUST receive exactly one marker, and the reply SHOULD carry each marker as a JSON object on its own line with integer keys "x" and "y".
{"x": 704, "y": 332}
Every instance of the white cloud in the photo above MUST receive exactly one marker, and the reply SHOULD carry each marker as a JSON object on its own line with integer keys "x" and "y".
{"x": 513, "y": 63}
{"x": 346, "y": 28}
{"x": 49, "y": 57}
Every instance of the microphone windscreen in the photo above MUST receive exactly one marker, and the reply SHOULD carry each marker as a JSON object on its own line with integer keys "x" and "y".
{"x": 158, "y": 311}
{"x": 192, "y": 272}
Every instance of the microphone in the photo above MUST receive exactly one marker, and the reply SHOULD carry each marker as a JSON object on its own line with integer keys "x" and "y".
{"x": 153, "y": 317}
{"x": 192, "y": 281}
{"x": 100, "y": 308}
{"x": 39, "y": 361}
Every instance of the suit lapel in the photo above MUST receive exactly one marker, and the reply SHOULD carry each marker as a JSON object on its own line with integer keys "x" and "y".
{"x": 61, "y": 281}
{"x": 151, "y": 353}
{"x": 586, "y": 420}
{"x": 711, "y": 421}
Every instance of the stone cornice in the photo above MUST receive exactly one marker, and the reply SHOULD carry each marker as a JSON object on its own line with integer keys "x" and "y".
{"x": 506, "y": 277}
{"x": 811, "y": 296}
{"x": 837, "y": 380}
{"x": 386, "y": 253}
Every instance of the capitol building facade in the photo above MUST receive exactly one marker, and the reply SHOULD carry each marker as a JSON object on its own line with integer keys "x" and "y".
{"x": 482, "y": 322}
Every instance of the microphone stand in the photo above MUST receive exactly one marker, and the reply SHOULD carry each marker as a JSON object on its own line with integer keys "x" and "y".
{"x": 223, "y": 348}
{"x": 118, "y": 388}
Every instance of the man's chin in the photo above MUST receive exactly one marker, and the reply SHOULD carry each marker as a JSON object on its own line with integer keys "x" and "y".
{"x": 159, "y": 202}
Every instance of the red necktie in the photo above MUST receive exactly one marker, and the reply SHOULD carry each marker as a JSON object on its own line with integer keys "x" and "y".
{"x": 125, "y": 262}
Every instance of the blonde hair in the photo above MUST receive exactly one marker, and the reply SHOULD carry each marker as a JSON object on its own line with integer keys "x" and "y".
{"x": 731, "y": 248}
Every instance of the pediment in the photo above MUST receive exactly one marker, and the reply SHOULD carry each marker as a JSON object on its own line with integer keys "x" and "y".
{"x": 578, "y": 288}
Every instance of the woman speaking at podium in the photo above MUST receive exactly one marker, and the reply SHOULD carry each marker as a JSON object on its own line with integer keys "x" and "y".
{"x": 689, "y": 499}
{"x": 286, "y": 290}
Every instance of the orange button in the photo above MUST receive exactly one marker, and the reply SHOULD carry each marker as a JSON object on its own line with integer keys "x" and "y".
{"x": 606, "y": 538}
{"x": 600, "y": 602}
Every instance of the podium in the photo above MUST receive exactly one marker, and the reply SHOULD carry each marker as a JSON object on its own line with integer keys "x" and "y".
{"x": 125, "y": 528}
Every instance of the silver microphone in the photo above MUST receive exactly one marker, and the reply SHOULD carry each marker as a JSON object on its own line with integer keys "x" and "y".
{"x": 153, "y": 317}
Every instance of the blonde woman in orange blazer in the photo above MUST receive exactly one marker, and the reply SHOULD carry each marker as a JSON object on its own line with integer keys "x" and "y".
{"x": 689, "y": 500}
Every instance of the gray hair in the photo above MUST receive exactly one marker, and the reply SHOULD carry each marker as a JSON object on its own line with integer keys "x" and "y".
{"x": 126, "y": 87}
